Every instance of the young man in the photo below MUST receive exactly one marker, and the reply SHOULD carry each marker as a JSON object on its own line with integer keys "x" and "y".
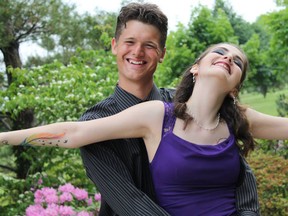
{"x": 120, "y": 168}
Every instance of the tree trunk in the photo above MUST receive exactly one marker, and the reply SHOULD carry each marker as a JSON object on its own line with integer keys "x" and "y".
{"x": 23, "y": 164}
{"x": 25, "y": 118}
{"x": 11, "y": 58}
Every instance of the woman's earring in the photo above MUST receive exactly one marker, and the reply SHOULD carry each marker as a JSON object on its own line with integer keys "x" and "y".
{"x": 234, "y": 100}
{"x": 194, "y": 79}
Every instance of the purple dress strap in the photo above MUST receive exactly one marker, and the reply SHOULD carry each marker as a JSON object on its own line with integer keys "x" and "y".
{"x": 169, "y": 118}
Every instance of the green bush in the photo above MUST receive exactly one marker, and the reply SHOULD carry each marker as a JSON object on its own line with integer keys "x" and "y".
{"x": 17, "y": 194}
{"x": 271, "y": 171}
{"x": 55, "y": 92}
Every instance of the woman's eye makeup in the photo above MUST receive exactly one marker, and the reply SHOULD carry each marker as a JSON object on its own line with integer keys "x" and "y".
{"x": 219, "y": 51}
{"x": 236, "y": 60}
{"x": 239, "y": 63}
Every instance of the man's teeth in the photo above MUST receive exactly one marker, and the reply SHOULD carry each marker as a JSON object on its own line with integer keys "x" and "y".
{"x": 136, "y": 62}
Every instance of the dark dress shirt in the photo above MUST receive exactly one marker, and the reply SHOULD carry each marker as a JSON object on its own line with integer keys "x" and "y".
{"x": 120, "y": 168}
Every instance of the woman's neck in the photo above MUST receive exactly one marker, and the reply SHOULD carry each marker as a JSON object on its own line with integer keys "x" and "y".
{"x": 203, "y": 106}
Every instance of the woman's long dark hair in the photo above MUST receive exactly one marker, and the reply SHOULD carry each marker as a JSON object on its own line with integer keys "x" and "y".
{"x": 233, "y": 114}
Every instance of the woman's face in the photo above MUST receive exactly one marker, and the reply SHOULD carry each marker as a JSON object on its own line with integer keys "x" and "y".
{"x": 224, "y": 62}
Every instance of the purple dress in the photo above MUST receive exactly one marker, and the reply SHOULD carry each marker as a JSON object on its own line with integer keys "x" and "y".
{"x": 191, "y": 179}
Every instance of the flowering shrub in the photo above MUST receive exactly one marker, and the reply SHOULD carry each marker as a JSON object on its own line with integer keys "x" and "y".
{"x": 271, "y": 171}
{"x": 67, "y": 200}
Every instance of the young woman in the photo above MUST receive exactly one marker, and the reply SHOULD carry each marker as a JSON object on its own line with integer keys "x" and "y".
{"x": 193, "y": 144}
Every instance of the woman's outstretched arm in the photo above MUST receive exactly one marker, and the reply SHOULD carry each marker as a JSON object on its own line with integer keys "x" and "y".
{"x": 53, "y": 135}
{"x": 266, "y": 126}
{"x": 133, "y": 122}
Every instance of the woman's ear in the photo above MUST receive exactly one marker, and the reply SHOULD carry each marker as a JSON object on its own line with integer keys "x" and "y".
{"x": 234, "y": 93}
{"x": 194, "y": 69}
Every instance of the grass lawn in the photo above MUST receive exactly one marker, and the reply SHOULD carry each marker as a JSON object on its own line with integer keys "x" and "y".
{"x": 258, "y": 102}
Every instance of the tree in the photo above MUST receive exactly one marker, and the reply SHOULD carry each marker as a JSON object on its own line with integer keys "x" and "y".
{"x": 242, "y": 29}
{"x": 53, "y": 25}
{"x": 20, "y": 21}
{"x": 277, "y": 24}
{"x": 24, "y": 20}
{"x": 86, "y": 32}
{"x": 259, "y": 77}
{"x": 177, "y": 58}
{"x": 55, "y": 92}
{"x": 185, "y": 44}
{"x": 267, "y": 52}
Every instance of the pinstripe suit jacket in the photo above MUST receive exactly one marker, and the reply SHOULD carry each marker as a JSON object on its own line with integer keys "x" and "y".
{"x": 120, "y": 168}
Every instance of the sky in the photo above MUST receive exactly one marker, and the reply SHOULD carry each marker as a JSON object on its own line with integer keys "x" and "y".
{"x": 179, "y": 10}
{"x": 176, "y": 11}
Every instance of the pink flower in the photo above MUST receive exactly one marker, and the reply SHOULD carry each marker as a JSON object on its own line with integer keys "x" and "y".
{"x": 40, "y": 181}
{"x": 51, "y": 199}
{"x": 84, "y": 213}
{"x": 35, "y": 210}
{"x": 47, "y": 202}
{"x": 48, "y": 191}
{"x": 51, "y": 210}
{"x": 50, "y": 195}
{"x": 89, "y": 201}
{"x": 80, "y": 194}
{"x": 66, "y": 188}
{"x": 66, "y": 197}
{"x": 66, "y": 211}
{"x": 97, "y": 197}
{"x": 38, "y": 197}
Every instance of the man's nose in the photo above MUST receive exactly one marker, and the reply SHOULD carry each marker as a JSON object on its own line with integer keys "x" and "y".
{"x": 138, "y": 50}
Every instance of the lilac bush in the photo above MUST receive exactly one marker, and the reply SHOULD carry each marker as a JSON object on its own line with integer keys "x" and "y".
{"x": 66, "y": 200}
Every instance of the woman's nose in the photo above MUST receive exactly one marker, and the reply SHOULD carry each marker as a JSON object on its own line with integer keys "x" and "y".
{"x": 229, "y": 57}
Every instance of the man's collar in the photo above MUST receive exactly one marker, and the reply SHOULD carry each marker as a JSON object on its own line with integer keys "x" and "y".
{"x": 127, "y": 99}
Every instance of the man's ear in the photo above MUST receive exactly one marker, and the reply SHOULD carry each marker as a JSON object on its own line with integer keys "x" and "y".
{"x": 113, "y": 46}
{"x": 162, "y": 55}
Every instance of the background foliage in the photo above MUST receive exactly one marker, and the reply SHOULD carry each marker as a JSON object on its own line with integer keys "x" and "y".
{"x": 79, "y": 70}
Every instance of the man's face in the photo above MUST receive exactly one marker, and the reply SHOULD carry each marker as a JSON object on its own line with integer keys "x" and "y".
{"x": 138, "y": 52}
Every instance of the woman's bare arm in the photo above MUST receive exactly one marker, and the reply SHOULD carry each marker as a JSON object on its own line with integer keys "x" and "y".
{"x": 136, "y": 121}
{"x": 266, "y": 126}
